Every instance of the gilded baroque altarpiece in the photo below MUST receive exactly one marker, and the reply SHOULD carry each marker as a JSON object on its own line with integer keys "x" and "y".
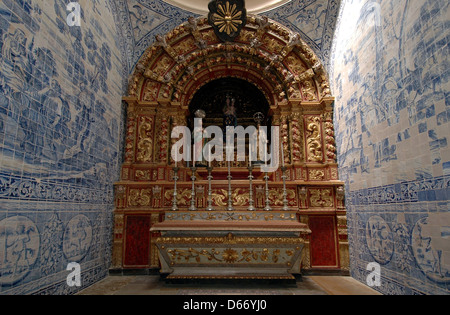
{"x": 295, "y": 84}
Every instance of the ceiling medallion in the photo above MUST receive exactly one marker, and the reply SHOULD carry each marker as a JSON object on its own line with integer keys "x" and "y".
{"x": 227, "y": 17}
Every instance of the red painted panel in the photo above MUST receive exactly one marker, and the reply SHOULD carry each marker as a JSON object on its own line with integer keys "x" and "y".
{"x": 137, "y": 244}
{"x": 323, "y": 241}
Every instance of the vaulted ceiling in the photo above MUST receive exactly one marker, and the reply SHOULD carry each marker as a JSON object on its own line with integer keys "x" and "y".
{"x": 141, "y": 20}
{"x": 252, "y": 6}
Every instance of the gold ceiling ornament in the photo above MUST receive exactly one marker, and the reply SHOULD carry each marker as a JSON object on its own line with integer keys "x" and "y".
{"x": 227, "y": 17}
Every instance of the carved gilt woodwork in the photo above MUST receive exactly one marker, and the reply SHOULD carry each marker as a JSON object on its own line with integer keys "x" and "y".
{"x": 145, "y": 140}
{"x": 139, "y": 197}
{"x": 292, "y": 80}
{"x": 321, "y": 198}
{"x": 314, "y": 139}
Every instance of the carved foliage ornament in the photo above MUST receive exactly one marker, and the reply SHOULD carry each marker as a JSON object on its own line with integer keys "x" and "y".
{"x": 321, "y": 198}
{"x": 145, "y": 142}
{"x": 139, "y": 197}
{"x": 227, "y": 17}
{"x": 314, "y": 139}
{"x": 230, "y": 255}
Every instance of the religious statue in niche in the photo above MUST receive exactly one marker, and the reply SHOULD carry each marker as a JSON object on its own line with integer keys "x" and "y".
{"x": 229, "y": 113}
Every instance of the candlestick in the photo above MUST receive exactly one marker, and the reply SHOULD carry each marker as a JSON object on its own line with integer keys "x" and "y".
{"x": 266, "y": 178}
{"x": 210, "y": 177}
{"x": 230, "y": 201}
{"x": 209, "y": 159}
{"x": 193, "y": 154}
{"x": 175, "y": 192}
{"x": 250, "y": 197}
{"x": 285, "y": 201}
{"x": 176, "y": 158}
{"x": 265, "y": 155}
{"x": 193, "y": 199}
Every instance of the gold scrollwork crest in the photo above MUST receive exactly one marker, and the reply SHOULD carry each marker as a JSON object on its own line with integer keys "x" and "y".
{"x": 276, "y": 195}
{"x": 143, "y": 175}
{"x": 139, "y": 197}
{"x": 239, "y": 196}
{"x": 321, "y": 198}
{"x": 183, "y": 196}
{"x": 316, "y": 174}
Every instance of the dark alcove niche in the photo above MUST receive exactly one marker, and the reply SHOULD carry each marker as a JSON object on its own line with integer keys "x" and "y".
{"x": 211, "y": 98}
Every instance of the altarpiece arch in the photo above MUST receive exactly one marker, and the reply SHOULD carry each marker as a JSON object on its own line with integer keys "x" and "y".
{"x": 294, "y": 83}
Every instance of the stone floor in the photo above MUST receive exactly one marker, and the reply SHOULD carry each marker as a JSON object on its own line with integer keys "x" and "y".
{"x": 154, "y": 285}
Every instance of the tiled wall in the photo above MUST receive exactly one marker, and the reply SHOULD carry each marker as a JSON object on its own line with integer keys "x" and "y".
{"x": 61, "y": 125}
{"x": 314, "y": 20}
{"x": 60, "y": 131}
{"x": 390, "y": 73}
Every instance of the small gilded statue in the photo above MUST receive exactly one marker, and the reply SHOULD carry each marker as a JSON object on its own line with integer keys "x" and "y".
{"x": 229, "y": 112}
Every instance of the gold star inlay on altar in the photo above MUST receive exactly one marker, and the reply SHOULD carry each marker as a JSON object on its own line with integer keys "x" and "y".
{"x": 228, "y": 18}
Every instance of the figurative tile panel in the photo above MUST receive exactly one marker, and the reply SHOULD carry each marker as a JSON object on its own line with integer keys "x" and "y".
{"x": 389, "y": 71}
{"x": 60, "y": 138}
